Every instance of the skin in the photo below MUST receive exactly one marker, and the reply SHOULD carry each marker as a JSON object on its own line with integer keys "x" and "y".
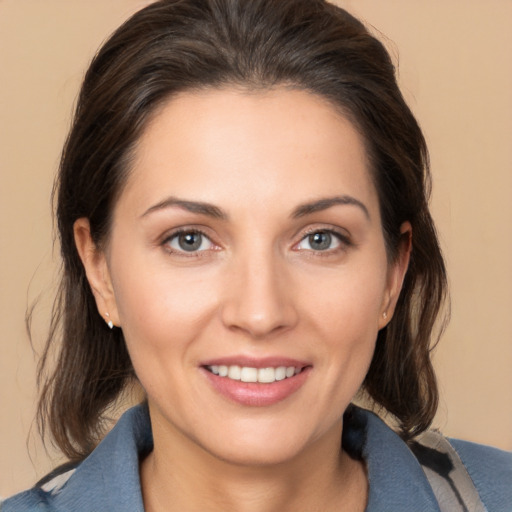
{"x": 257, "y": 287}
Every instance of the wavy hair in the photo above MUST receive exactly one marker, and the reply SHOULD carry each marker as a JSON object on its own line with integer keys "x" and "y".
{"x": 176, "y": 45}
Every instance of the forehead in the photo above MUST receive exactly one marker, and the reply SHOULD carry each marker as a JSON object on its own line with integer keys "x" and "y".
{"x": 275, "y": 145}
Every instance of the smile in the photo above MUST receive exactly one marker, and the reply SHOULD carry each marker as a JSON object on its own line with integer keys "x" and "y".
{"x": 249, "y": 374}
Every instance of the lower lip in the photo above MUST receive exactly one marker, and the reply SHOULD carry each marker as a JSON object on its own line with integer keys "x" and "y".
{"x": 256, "y": 394}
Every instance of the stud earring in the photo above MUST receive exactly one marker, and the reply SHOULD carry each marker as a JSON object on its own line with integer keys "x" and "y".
{"x": 385, "y": 315}
{"x": 109, "y": 323}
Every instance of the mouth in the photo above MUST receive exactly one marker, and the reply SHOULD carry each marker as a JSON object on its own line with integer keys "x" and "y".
{"x": 256, "y": 382}
{"x": 266, "y": 375}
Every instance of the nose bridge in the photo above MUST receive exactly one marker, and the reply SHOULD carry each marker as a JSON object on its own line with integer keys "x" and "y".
{"x": 260, "y": 300}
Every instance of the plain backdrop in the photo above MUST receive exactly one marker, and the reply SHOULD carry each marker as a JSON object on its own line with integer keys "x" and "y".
{"x": 453, "y": 59}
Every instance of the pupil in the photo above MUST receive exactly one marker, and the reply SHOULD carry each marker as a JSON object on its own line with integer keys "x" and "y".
{"x": 190, "y": 241}
{"x": 320, "y": 241}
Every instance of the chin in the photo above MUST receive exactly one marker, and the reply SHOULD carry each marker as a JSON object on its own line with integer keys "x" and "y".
{"x": 262, "y": 443}
{"x": 257, "y": 455}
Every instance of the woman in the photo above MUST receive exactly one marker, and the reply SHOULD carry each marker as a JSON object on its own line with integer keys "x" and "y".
{"x": 250, "y": 311}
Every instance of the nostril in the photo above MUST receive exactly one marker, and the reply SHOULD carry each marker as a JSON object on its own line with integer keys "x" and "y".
{"x": 257, "y": 299}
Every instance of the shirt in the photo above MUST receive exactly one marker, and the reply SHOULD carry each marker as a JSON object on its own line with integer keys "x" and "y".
{"x": 108, "y": 479}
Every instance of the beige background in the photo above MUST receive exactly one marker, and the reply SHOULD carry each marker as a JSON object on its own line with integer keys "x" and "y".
{"x": 455, "y": 69}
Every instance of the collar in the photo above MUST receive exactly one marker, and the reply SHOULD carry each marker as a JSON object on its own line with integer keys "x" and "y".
{"x": 396, "y": 480}
{"x": 109, "y": 478}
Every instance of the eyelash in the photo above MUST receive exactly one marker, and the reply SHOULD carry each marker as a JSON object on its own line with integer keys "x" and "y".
{"x": 185, "y": 231}
{"x": 343, "y": 240}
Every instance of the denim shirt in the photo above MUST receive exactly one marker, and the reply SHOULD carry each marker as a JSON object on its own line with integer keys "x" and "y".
{"x": 108, "y": 479}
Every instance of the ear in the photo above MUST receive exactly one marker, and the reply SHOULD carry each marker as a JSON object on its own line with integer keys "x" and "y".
{"x": 396, "y": 274}
{"x": 96, "y": 269}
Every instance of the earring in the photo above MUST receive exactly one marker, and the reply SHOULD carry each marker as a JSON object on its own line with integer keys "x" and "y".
{"x": 385, "y": 315}
{"x": 109, "y": 323}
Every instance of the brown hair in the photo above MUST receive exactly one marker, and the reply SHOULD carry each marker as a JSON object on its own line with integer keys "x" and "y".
{"x": 175, "y": 45}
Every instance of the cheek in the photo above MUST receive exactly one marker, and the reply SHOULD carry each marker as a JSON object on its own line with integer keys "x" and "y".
{"x": 349, "y": 300}
{"x": 162, "y": 316}
{"x": 161, "y": 308}
{"x": 345, "y": 314}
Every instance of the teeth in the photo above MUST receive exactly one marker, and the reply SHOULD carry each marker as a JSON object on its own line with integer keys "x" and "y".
{"x": 234, "y": 372}
{"x": 266, "y": 375}
{"x": 248, "y": 374}
{"x": 280, "y": 373}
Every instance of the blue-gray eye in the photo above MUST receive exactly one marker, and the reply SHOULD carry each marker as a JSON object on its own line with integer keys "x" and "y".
{"x": 319, "y": 241}
{"x": 190, "y": 241}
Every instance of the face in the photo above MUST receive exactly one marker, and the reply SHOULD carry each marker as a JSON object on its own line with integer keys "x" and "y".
{"x": 247, "y": 269}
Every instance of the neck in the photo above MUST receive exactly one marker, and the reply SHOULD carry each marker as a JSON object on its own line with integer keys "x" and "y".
{"x": 321, "y": 478}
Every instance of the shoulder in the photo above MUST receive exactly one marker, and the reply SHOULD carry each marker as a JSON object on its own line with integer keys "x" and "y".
{"x": 33, "y": 500}
{"x": 491, "y": 472}
{"x": 401, "y": 477}
{"x": 41, "y": 497}
{"x": 108, "y": 479}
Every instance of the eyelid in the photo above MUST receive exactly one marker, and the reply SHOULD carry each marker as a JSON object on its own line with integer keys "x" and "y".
{"x": 340, "y": 234}
{"x": 174, "y": 233}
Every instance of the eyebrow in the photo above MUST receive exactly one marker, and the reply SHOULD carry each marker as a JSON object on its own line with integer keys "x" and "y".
{"x": 192, "y": 206}
{"x": 328, "y": 202}
{"x": 215, "y": 212}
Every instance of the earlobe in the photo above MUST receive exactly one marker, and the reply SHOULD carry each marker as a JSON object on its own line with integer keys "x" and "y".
{"x": 96, "y": 269}
{"x": 396, "y": 275}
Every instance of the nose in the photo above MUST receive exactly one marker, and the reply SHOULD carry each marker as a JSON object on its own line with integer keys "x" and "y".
{"x": 259, "y": 296}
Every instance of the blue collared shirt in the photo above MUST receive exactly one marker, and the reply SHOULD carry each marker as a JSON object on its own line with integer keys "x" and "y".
{"x": 108, "y": 479}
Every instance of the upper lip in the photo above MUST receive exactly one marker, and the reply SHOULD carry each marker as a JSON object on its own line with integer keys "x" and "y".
{"x": 256, "y": 362}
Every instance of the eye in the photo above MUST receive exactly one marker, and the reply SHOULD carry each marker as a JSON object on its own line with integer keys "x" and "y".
{"x": 189, "y": 241}
{"x": 320, "y": 240}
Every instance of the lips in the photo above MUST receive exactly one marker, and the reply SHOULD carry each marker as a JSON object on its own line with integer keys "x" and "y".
{"x": 261, "y": 382}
